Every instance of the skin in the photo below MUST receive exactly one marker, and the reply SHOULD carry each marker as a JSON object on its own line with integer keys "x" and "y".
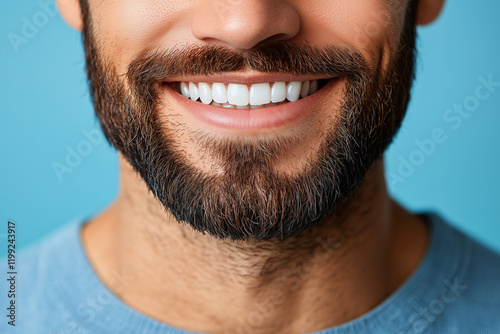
{"x": 198, "y": 283}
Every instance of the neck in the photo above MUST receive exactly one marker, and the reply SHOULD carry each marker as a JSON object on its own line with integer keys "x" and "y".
{"x": 340, "y": 269}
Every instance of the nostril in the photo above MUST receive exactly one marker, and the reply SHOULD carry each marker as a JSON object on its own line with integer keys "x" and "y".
{"x": 242, "y": 25}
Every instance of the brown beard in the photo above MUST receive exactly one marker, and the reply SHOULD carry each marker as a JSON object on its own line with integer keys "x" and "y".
{"x": 249, "y": 199}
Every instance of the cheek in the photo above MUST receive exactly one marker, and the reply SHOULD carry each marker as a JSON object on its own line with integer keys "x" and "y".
{"x": 125, "y": 28}
{"x": 367, "y": 25}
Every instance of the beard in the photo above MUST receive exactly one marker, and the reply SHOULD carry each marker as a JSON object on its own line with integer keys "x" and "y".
{"x": 248, "y": 198}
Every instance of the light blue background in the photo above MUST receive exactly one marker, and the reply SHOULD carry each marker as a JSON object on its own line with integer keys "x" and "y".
{"x": 45, "y": 108}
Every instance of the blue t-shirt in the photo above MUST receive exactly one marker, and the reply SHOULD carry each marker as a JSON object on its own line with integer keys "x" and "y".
{"x": 455, "y": 289}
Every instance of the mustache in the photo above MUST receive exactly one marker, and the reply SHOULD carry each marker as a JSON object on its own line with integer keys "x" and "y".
{"x": 279, "y": 57}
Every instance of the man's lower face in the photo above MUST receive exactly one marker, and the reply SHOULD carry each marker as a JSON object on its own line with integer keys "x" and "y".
{"x": 243, "y": 160}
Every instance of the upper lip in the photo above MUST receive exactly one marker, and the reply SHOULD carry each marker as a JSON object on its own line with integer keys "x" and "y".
{"x": 247, "y": 77}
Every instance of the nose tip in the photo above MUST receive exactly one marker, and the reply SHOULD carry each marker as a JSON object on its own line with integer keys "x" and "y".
{"x": 244, "y": 24}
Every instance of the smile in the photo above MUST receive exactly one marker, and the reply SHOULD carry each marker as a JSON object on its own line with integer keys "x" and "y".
{"x": 247, "y": 105}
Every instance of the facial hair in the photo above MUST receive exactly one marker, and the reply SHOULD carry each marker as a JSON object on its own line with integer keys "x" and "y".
{"x": 249, "y": 199}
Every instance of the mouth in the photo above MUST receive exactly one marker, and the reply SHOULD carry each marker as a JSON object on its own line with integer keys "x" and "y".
{"x": 241, "y": 105}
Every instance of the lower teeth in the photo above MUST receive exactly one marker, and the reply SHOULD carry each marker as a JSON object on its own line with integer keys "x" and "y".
{"x": 232, "y": 106}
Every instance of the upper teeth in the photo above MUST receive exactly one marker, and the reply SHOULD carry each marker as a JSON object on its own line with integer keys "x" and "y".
{"x": 238, "y": 95}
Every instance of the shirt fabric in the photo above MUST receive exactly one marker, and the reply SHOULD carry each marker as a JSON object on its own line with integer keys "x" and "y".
{"x": 455, "y": 289}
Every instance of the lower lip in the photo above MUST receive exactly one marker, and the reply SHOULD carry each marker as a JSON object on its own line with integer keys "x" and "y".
{"x": 255, "y": 119}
